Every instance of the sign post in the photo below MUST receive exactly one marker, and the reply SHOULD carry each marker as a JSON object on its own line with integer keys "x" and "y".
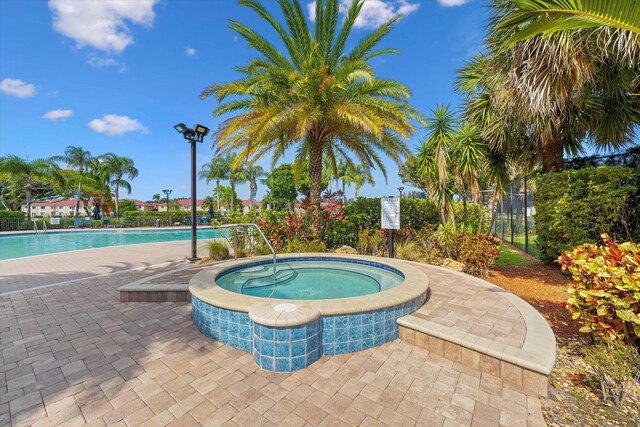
{"x": 390, "y": 217}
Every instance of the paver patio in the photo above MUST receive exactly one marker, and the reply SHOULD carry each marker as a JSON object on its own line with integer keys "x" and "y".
{"x": 73, "y": 355}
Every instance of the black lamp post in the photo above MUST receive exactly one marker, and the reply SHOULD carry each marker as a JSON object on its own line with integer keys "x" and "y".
{"x": 167, "y": 192}
{"x": 194, "y": 135}
{"x": 401, "y": 189}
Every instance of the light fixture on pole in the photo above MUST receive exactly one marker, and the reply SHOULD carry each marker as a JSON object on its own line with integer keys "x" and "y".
{"x": 401, "y": 189}
{"x": 194, "y": 135}
{"x": 167, "y": 192}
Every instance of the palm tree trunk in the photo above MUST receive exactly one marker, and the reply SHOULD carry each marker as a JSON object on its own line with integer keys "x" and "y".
{"x": 552, "y": 155}
{"x": 78, "y": 195}
{"x": 315, "y": 182}
{"x": 252, "y": 192}
{"x": 117, "y": 198}
{"x": 27, "y": 191}
{"x": 232, "y": 203}
{"x": 480, "y": 201}
{"x": 218, "y": 194}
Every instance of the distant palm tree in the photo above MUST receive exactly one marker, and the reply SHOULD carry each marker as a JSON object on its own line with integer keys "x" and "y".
{"x": 316, "y": 97}
{"x": 121, "y": 168}
{"x": 76, "y": 158}
{"x": 358, "y": 176}
{"x": 26, "y": 173}
{"x": 219, "y": 168}
{"x": 253, "y": 173}
{"x": 102, "y": 171}
{"x": 237, "y": 175}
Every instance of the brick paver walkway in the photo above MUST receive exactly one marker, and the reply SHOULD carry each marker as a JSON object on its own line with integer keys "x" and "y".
{"x": 74, "y": 355}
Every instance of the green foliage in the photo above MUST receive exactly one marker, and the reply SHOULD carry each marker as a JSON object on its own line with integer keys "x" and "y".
{"x": 13, "y": 214}
{"x": 218, "y": 251}
{"x": 509, "y": 256}
{"x": 373, "y": 242}
{"x": 127, "y": 206}
{"x": 577, "y": 206}
{"x": 407, "y": 249}
{"x": 282, "y": 189}
{"x": 605, "y": 292}
{"x": 313, "y": 246}
{"x": 616, "y": 366}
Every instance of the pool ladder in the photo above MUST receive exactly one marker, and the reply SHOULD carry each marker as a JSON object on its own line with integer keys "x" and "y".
{"x": 44, "y": 228}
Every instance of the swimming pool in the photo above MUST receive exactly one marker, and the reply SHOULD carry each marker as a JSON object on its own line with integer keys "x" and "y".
{"x": 308, "y": 280}
{"x": 23, "y": 244}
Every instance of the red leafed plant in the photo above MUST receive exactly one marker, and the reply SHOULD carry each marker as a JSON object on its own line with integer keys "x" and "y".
{"x": 605, "y": 293}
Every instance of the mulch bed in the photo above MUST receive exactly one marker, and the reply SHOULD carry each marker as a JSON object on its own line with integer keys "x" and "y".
{"x": 574, "y": 400}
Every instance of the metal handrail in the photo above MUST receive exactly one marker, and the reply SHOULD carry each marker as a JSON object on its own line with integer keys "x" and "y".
{"x": 35, "y": 227}
{"x": 44, "y": 227}
{"x": 273, "y": 251}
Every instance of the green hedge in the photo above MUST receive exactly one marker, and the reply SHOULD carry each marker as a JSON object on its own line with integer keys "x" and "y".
{"x": 577, "y": 206}
{"x": 414, "y": 213}
{"x": 13, "y": 214}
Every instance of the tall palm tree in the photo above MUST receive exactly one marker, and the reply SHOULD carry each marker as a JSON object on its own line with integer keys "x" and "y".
{"x": 468, "y": 155}
{"x": 253, "y": 173}
{"x": 440, "y": 138}
{"x": 103, "y": 173}
{"x": 76, "y": 158}
{"x": 121, "y": 168}
{"x": 315, "y": 98}
{"x": 535, "y": 17}
{"x": 26, "y": 174}
{"x": 219, "y": 168}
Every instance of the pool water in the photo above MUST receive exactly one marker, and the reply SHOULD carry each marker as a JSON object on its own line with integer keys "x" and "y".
{"x": 22, "y": 245}
{"x": 308, "y": 280}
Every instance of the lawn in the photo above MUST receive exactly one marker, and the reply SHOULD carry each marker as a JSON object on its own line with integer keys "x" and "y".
{"x": 510, "y": 256}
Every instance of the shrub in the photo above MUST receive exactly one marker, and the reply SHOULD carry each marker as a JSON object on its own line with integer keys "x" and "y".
{"x": 373, "y": 242}
{"x": 407, "y": 249}
{"x": 218, "y": 251}
{"x": 616, "y": 367}
{"x": 315, "y": 247}
{"x": 577, "y": 206}
{"x": 605, "y": 292}
{"x": 477, "y": 251}
{"x": 13, "y": 214}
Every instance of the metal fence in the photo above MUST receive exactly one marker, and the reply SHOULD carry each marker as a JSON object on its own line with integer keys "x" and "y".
{"x": 514, "y": 216}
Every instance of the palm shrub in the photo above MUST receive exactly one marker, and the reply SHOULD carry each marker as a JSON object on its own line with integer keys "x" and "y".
{"x": 407, "y": 249}
{"x": 218, "y": 251}
{"x": 616, "y": 367}
{"x": 605, "y": 289}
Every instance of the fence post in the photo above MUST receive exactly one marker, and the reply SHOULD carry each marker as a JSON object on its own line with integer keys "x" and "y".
{"x": 511, "y": 212}
{"x": 526, "y": 220}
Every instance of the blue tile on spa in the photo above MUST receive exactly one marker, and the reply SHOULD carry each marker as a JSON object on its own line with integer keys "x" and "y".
{"x": 367, "y": 331}
{"x": 233, "y": 316}
{"x": 355, "y": 346}
{"x": 378, "y": 340}
{"x": 244, "y": 332}
{"x": 244, "y": 319}
{"x": 282, "y": 350}
{"x": 312, "y": 343}
{"x": 298, "y": 348}
{"x": 267, "y": 363}
{"x": 329, "y": 321}
{"x": 329, "y": 349}
{"x": 297, "y": 333}
{"x": 266, "y": 333}
{"x": 298, "y": 363}
{"x": 367, "y": 318}
{"x": 355, "y": 333}
{"x": 341, "y": 348}
{"x": 282, "y": 334}
{"x": 312, "y": 357}
{"x": 266, "y": 348}
{"x": 367, "y": 343}
{"x": 342, "y": 335}
{"x": 342, "y": 322}
{"x": 283, "y": 365}
{"x": 354, "y": 320}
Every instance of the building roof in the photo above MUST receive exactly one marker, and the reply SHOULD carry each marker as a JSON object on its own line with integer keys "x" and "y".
{"x": 256, "y": 203}
{"x": 187, "y": 202}
{"x": 68, "y": 202}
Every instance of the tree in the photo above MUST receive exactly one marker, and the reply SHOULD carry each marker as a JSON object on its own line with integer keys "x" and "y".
{"x": 236, "y": 176}
{"x": 78, "y": 158}
{"x": 156, "y": 198}
{"x": 121, "y": 168}
{"x": 27, "y": 174}
{"x": 547, "y": 96}
{"x": 101, "y": 169}
{"x": 316, "y": 97}
{"x": 219, "y": 168}
{"x": 252, "y": 174}
{"x": 282, "y": 189}
{"x": 128, "y": 206}
{"x": 359, "y": 177}
{"x": 534, "y": 17}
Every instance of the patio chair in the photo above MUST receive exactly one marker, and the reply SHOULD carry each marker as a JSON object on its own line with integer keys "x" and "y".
{"x": 187, "y": 220}
{"x": 77, "y": 223}
{"x": 87, "y": 223}
{"x": 106, "y": 223}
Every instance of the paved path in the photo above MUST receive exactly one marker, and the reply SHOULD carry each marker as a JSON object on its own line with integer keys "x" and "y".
{"x": 74, "y": 355}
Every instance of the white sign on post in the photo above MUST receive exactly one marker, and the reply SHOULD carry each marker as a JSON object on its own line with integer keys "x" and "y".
{"x": 55, "y": 221}
{"x": 390, "y": 213}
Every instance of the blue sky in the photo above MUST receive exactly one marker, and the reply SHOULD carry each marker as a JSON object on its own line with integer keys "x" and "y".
{"x": 116, "y": 76}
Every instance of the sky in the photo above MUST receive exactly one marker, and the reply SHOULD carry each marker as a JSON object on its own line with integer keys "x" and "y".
{"x": 115, "y": 76}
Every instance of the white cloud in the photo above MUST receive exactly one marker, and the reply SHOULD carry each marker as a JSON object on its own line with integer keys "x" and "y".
{"x": 189, "y": 51}
{"x": 112, "y": 124}
{"x": 452, "y": 3}
{"x": 101, "y": 61}
{"x": 17, "y": 87}
{"x": 101, "y": 24}
{"x": 58, "y": 114}
{"x": 374, "y": 13}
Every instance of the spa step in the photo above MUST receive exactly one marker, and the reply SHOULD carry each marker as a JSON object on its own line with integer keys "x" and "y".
{"x": 261, "y": 282}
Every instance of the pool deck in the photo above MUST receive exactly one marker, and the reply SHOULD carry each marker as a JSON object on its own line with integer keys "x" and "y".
{"x": 72, "y": 354}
